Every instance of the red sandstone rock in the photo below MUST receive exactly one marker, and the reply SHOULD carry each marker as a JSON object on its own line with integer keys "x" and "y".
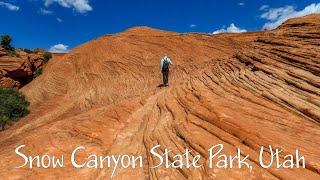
{"x": 2, "y": 52}
{"x": 242, "y": 90}
{"x": 18, "y": 70}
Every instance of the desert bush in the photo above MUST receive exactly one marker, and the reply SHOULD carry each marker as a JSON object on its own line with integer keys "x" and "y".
{"x": 38, "y": 50}
{"x": 47, "y": 56}
{"x": 28, "y": 51}
{"x": 37, "y": 73}
{"x": 6, "y": 42}
{"x": 13, "y": 106}
{"x": 13, "y": 54}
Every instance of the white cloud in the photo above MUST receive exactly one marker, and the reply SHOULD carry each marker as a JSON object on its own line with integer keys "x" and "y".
{"x": 59, "y": 48}
{"x": 193, "y": 26}
{"x": 276, "y": 16}
{"x": 81, "y": 6}
{"x": 241, "y": 4}
{"x": 231, "y": 29}
{"x": 45, "y": 11}
{"x": 59, "y": 20}
{"x": 9, "y": 6}
{"x": 264, "y": 7}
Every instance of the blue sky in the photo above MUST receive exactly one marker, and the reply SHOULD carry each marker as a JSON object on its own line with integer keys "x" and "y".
{"x": 60, "y": 25}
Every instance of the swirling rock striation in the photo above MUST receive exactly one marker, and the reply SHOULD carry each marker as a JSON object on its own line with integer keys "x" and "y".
{"x": 241, "y": 90}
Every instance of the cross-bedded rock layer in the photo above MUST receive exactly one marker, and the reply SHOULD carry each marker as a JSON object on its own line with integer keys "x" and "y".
{"x": 242, "y": 90}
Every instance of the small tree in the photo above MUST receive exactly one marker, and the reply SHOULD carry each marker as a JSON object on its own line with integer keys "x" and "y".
{"x": 13, "y": 106}
{"x": 6, "y": 42}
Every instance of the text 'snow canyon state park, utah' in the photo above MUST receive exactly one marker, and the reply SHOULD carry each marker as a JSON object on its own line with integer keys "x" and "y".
{"x": 241, "y": 90}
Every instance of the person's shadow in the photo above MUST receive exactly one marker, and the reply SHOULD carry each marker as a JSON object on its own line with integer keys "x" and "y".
{"x": 161, "y": 86}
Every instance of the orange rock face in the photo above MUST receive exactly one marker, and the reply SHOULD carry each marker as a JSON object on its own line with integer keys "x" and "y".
{"x": 240, "y": 90}
{"x": 17, "y": 71}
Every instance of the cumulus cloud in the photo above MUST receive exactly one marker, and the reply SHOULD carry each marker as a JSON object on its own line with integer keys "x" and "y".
{"x": 193, "y": 26}
{"x": 231, "y": 29}
{"x": 241, "y": 4}
{"x": 59, "y": 48}
{"x": 9, "y": 6}
{"x": 276, "y": 16}
{"x": 80, "y": 6}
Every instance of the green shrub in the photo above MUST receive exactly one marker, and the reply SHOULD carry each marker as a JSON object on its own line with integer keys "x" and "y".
{"x": 37, "y": 73}
{"x": 6, "y": 42}
{"x": 13, "y": 54}
{"x": 13, "y": 106}
{"x": 28, "y": 51}
{"x": 47, "y": 56}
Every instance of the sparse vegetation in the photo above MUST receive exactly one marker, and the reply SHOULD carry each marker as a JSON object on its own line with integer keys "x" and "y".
{"x": 28, "y": 51}
{"x": 37, "y": 73}
{"x": 13, "y": 106}
{"x": 38, "y": 50}
{"x": 47, "y": 56}
{"x": 6, "y": 44}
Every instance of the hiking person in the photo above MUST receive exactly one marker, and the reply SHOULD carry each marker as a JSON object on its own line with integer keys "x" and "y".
{"x": 165, "y": 62}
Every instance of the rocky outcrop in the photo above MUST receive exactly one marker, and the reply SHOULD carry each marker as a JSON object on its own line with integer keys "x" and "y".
{"x": 241, "y": 90}
{"x": 18, "y": 70}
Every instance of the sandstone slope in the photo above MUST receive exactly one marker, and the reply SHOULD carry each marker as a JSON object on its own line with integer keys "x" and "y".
{"x": 242, "y": 90}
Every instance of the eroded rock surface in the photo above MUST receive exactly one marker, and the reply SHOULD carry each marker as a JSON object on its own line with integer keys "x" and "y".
{"x": 242, "y": 90}
{"x": 17, "y": 70}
